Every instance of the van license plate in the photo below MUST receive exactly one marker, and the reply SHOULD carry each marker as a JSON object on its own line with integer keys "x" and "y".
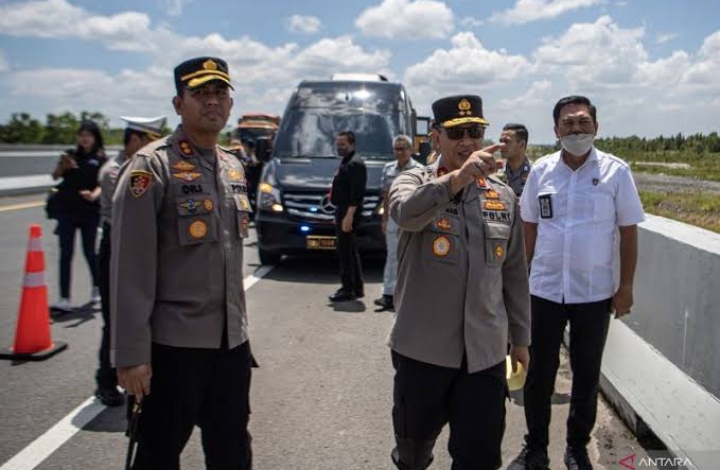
{"x": 320, "y": 242}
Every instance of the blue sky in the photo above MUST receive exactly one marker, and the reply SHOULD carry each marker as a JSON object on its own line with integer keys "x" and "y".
{"x": 650, "y": 66}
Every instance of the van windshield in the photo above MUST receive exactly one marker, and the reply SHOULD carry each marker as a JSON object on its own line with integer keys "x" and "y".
{"x": 317, "y": 113}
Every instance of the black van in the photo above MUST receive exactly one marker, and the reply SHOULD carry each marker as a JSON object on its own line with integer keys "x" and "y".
{"x": 294, "y": 214}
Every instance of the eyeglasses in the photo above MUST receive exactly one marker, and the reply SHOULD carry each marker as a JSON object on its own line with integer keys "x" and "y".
{"x": 457, "y": 133}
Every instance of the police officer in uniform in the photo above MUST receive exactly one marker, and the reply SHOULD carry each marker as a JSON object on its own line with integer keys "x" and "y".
{"x": 517, "y": 166}
{"x": 461, "y": 295}
{"x": 180, "y": 335}
{"x": 138, "y": 133}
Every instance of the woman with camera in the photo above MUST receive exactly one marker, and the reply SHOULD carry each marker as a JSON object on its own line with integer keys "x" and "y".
{"x": 76, "y": 206}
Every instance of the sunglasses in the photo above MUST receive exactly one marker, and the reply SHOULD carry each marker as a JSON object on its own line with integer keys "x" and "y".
{"x": 457, "y": 133}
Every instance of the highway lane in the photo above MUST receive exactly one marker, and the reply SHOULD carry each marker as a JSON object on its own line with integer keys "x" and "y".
{"x": 321, "y": 399}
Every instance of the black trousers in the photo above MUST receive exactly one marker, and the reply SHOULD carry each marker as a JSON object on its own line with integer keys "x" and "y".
{"x": 589, "y": 324}
{"x": 351, "y": 276}
{"x": 105, "y": 376}
{"x": 426, "y": 397}
{"x": 67, "y": 224}
{"x": 204, "y": 387}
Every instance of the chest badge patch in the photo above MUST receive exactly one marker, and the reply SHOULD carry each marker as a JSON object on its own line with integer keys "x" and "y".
{"x": 499, "y": 251}
{"x": 198, "y": 229}
{"x": 191, "y": 206}
{"x": 182, "y": 165}
{"x": 188, "y": 176}
{"x": 443, "y": 224}
{"x": 492, "y": 194}
{"x": 494, "y": 206}
{"x": 441, "y": 246}
{"x": 481, "y": 183}
{"x": 208, "y": 204}
{"x": 140, "y": 182}
{"x": 185, "y": 148}
{"x": 235, "y": 175}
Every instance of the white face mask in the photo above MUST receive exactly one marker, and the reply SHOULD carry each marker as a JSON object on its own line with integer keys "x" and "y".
{"x": 577, "y": 144}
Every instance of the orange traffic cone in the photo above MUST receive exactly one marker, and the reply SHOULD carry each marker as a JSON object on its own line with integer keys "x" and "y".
{"x": 32, "y": 337}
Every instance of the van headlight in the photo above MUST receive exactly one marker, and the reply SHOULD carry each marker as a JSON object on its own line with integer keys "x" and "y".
{"x": 269, "y": 198}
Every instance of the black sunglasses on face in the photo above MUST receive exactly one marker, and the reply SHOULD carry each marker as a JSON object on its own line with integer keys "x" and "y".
{"x": 457, "y": 133}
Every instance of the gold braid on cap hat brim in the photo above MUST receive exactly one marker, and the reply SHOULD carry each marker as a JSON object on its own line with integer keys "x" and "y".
{"x": 465, "y": 120}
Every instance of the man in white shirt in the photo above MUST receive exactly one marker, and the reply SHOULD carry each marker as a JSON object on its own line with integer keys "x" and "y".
{"x": 402, "y": 148}
{"x": 574, "y": 204}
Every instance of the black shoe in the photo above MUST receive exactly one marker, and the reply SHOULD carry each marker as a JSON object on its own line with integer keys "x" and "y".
{"x": 530, "y": 459}
{"x": 109, "y": 396}
{"x": 386, "y": 302}
{"x": 577, "y": 459}
{"x": 359, "y": 294}
{"x": 341, "y": 296}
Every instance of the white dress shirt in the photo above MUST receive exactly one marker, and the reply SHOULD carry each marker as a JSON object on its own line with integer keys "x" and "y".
{"x": 578, "y": 213}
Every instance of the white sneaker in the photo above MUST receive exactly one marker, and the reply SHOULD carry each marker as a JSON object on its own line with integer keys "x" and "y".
{"x": 95, "y": 296}
{"x": 63, "y": 305}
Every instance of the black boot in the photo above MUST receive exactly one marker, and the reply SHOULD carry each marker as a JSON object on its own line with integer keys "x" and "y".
{"x": 410, "y": 454}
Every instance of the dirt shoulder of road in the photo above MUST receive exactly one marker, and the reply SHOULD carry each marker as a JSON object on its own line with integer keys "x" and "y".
{"x": 689, "y": 200}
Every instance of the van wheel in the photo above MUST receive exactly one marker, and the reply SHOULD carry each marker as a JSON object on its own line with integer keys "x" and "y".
{"x": 268, "y": 257}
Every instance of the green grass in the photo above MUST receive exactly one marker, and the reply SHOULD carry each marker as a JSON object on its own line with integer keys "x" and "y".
{"x": 696, "y": 208}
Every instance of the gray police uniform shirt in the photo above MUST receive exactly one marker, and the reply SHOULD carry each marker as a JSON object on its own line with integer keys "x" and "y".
{"x": 390, "y": 172}
{"x": 462, "y": 284}
{"x": 516, "y": 179}
{"x": 179, "y": 220}
{"x": 107, "y": 179}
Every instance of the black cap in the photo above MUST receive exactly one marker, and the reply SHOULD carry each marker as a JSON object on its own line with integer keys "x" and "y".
{"x": 197, "y": 72}
{"x": 455, "y": 110}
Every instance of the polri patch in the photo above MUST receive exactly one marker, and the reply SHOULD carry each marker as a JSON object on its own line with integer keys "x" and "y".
{"x": 140, "y": 182}
{"x": 441, "y": 246}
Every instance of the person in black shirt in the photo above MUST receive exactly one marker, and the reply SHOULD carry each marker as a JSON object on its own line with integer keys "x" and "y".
{"x": 348, "y": 190}
{"x": 78, "y": 207}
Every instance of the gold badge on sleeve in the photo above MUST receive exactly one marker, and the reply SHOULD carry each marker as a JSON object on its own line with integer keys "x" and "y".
{"x": 198, "y": 229}
{"x": 140, "y": 182}
{"x": 441, "y": 246}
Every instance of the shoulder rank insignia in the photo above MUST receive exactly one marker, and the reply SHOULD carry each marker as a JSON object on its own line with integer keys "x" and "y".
{"x": 442, "y": 171}
{"x": 441, "y": 246}
{"x": 235, "y": 175}
{"x": 494, "y": 206}
{"x": 185, "y": 148}
{"x": 183, "y": 165}
{"x": 443, "y": 224}
{"x": 492, "y": 194}
{"x": 140, "y": 182}
{"x": 198, "y": 229}
{"x": 481, "y": 183}
{"x": 187, "y": 176}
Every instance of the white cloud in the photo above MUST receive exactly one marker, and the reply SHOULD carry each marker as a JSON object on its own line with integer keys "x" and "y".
{"x": 621, "y": 4}
{"x": 174, "y": 7}
{"x": 58, "y": 18}
{"x": 304, "y": 24}
{"x": 471, "y": 22}
{"x": 526, "y": 11}
{"x": 599, "y": 52}
{"x": 536, "y": 95}
{"x": 407, "y": 19}
{"x": 667, "y": 37}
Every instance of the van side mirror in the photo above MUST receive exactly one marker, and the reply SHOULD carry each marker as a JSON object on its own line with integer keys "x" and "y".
{"x": 262, "y": 150}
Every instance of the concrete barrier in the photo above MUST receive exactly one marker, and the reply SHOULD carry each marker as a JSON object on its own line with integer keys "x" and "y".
{"x": 661, "y": 367}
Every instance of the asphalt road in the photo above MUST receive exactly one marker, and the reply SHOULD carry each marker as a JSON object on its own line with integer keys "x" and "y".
{"x": 321, "y": 399}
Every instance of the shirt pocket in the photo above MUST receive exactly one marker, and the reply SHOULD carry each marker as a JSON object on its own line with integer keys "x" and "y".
{"x": 441, "y": 241}
{"x": 196, "y": 222}
{"x": 243, "y": 209}
{"x": 604, "y": 206}
{"x": 496, "y": 243}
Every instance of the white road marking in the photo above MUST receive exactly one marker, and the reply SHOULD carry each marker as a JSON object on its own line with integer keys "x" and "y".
{"x": 42, "y": 447}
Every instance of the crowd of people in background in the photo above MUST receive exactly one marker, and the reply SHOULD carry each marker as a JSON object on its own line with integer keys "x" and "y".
{"x": 483, "y": 261}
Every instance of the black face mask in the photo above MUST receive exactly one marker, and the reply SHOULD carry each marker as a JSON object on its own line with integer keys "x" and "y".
{"x": 342, "y": 152}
